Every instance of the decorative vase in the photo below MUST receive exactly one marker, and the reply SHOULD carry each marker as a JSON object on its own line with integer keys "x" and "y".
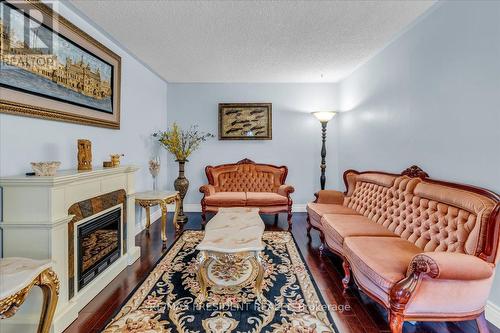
{"x": 154, "y": 169}
{"x": 181, "y": 184}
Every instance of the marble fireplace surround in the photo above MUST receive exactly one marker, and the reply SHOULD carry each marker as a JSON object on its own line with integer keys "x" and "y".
{"x": 86, "y": 210}
{"x": 39, "y": 217}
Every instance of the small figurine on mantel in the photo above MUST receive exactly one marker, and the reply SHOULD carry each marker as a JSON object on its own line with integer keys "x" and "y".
{"x": 114, "y": 162}
{"x": 84, "y": 154}
{"x": 115, "y": 159}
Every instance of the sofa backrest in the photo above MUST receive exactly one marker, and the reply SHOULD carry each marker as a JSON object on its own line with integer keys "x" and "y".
{"x": 369, "y": 193}
{"x": 246, "y": 176}
{"x": 434, "y": 215}
{"x": 443, "y": 218}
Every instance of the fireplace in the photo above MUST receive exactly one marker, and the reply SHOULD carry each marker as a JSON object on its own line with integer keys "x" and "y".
{"x": 53, "y": 209}
{"x": 98, "y": 245}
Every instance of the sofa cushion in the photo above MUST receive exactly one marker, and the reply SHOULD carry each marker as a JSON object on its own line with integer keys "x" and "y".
{"x": 383, "y": 260}
{"x": 265, "y": 199}
{"x": 226, "y": 199}
{"x": 340, "y": 226}
{"x": 317, "y": 210}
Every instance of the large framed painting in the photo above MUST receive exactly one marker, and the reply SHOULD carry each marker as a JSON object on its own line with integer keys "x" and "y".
{"x": 245, "y": 121}
{"x": 51, "y": 69}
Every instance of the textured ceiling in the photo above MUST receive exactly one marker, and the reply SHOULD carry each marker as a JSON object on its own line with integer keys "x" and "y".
{"x": 252, "y": 41}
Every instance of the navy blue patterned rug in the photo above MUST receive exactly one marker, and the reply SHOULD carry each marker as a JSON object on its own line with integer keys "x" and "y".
{"x": 167, "y": 300}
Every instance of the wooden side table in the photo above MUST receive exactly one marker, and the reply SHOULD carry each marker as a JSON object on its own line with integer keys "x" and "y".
{"x": 17, "y": 277}
{"x": 161, "y": 198}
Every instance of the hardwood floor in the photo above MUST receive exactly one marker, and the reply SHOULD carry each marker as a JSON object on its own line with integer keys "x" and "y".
{"x": 360, "y": 313}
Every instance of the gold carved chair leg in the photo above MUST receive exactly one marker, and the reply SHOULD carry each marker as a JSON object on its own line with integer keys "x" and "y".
{"x": 49, "y": 284}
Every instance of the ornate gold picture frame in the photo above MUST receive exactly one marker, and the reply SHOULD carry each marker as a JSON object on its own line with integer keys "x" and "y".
{"x": 51, "y": 69}
{"x": 245, "y": 121}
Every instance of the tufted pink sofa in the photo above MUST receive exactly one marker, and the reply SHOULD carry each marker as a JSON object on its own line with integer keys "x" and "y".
{"x": 249, "y": 184}
{"x": 424, "y": 249}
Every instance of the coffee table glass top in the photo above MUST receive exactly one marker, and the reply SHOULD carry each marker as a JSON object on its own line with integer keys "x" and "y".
{"x": 234, "y": 230}
{"x": 154, "y": 195}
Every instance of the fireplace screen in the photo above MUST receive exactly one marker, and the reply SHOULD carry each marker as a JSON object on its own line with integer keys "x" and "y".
{"x": 99, "y": 244}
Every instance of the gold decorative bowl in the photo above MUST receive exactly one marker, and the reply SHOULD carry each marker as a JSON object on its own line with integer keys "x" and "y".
{"x": 45, "y": 168}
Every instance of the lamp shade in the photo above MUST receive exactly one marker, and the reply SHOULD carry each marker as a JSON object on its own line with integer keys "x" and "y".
{"x": 324, "y": 116}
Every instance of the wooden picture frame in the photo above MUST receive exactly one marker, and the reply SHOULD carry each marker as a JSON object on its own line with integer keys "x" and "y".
{"x": 245, "y": 121}
{"x": 53, "y": 70}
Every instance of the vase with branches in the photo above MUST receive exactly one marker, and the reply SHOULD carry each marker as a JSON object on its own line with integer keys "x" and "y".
{"x": 181, "y": 143}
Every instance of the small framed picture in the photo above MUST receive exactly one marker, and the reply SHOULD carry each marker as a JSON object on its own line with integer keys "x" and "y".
{"x": 245, "y": 121}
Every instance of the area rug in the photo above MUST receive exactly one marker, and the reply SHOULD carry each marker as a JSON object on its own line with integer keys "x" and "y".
{"x": 166, "y": 300}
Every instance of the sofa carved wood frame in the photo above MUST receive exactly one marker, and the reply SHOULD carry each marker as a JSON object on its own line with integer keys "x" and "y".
{"x": 420, "y": 268}
{"x": 211, "y": 181}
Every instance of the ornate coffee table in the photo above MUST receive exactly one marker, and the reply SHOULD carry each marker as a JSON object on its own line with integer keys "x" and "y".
{"x": 162, "y": 198}
{"x": 231, "y": 250}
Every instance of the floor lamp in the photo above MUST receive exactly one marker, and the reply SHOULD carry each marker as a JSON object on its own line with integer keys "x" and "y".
{"x": 323, "y": 117}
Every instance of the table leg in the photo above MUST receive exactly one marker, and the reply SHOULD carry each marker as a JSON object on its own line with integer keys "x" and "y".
{"x": 148, "y": 217}
{"x": 176, "y": 214}
{"x": 202, "y": 258}
{"x": 163, "y": 207}
{"x": 260, "y": 275}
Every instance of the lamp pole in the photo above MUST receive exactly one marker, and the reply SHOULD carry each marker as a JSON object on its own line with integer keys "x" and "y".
{"x": 323, "y": 117}
{"x": 322, "y": 178}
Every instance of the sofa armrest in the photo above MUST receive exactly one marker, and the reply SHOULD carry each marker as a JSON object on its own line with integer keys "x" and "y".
{"x": 285, "y": 190}
{"x": 207, "y": 189}
{"x": 450, "y": 266}
{"x": 329, "y": 197}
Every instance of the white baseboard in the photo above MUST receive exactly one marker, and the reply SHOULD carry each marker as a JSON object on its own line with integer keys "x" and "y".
{"x": 492, "y": 313}
{"x": 196, "y": 208}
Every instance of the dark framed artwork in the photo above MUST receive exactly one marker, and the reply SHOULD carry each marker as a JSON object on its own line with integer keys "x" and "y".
{"x": 245, "y": 121}
{"x": 51, "y": 69}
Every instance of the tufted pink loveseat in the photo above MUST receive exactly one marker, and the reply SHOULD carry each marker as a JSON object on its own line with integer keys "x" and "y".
{"x": 247, "y": 184}
{"x": 424, "y": 249}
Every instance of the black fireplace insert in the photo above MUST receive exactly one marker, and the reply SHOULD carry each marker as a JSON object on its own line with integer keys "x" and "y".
{"x": 99, "y": 244}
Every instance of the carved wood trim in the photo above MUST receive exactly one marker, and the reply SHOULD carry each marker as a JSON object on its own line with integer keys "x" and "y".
{"x": 414, "y": 172}
{"x": 245, "y": 161}
{"x": 422, "y": 264}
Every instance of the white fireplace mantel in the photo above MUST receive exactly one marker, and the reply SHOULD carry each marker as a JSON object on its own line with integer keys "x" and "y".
{"x": 35, "y": 225}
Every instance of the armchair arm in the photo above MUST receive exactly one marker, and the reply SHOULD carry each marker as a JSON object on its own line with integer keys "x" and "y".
{"x": 207, "y": 189}
{"x": 450, "y": 266}
{"x": 285, "y": 190}
{"x": 329, "y": 197}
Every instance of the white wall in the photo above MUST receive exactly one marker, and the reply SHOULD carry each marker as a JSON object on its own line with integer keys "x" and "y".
{"x": 143, "y": 108}
{"x": 432, "y": 98}
{"x": 296, "y": 139}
